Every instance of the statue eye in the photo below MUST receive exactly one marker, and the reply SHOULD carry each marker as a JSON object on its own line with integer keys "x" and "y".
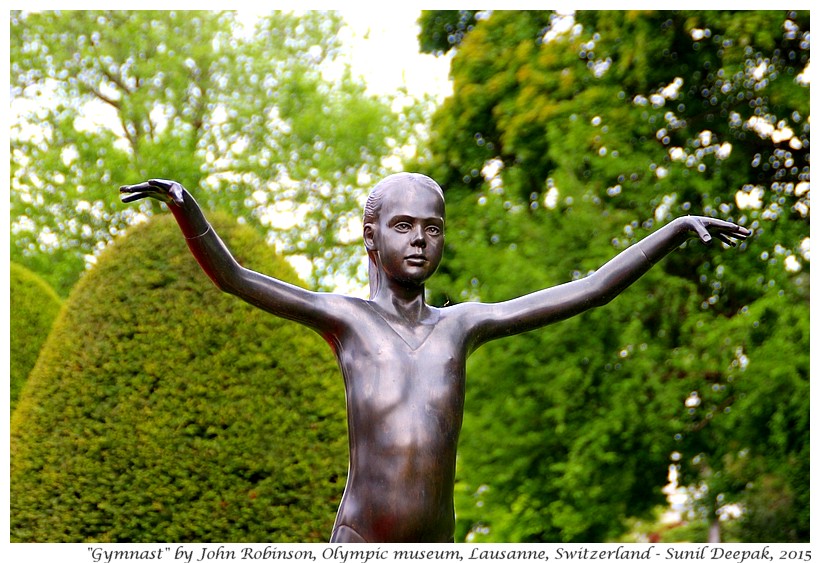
{"x": 433, "y": 230}
{"x": 402, "y": 227}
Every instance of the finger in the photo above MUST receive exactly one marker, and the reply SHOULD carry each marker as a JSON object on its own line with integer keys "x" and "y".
{"x": 702, "y": 232}
{"x": 160, "y": 183}
{"x": 136, "y": 188}
{"x": 733, "y": 228}
{"x": 135, "y": 197}
{"x": 737, "y": 233}
{"x": 725, "y": 239}
{"x": 147, "y": 192}
{"x": 713, "y": 222}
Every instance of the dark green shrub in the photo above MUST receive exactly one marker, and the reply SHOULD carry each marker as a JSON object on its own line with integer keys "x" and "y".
{"x": 33, "y": 307}
{"x": 163, "y": 410}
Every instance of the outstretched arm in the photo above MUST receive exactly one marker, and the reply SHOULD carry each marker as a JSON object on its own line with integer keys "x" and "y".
{"x": 275, "y": 296}
{"x": 563, "y": 301}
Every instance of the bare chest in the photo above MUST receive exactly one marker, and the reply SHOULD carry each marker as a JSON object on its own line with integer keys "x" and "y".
{"x": 410, "y": 385}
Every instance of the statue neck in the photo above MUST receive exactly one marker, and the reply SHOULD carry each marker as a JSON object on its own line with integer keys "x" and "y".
{"x": 404, "y": 301}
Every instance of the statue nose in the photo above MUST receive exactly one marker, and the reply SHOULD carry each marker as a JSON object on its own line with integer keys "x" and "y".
{"x": 418, "y": 237}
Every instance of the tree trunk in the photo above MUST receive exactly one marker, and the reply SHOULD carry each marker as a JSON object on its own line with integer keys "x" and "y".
{"x": 714, "y": 531}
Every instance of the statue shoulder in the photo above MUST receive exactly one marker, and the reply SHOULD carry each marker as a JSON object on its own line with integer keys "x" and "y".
{"x": 343, "y": 309}
{"x": 466, "y": 313}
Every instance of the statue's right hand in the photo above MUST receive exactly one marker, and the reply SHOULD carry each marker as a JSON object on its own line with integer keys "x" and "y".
{"x": 167, "y": 191}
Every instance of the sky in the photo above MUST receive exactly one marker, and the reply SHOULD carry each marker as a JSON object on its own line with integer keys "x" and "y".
{"x": 385, "y": 51}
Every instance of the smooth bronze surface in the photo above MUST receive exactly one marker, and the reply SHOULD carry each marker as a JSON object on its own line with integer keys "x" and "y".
{"x": 403, "y": 361}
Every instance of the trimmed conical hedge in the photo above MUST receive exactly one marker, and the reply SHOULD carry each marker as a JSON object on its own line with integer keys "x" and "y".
{"x": 163, "y": 410}
{"x": 33, "y": 307}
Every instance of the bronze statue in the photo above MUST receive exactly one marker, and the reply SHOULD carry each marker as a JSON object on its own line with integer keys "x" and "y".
{"x": 403, "y": 361}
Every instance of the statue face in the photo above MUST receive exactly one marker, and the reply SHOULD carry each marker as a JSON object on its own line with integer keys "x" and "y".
{"x": 409, "y": 234}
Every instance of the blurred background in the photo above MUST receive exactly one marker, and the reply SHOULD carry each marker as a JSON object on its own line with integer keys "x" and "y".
{"x": 678, "y": 412}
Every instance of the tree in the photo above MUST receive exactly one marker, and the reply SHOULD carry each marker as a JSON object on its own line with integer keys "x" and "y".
{"x": 568, "y": 137}
{"x": 162, "y": 410}
{"x": 255, "y": 120}
{"x": 33, "y": 306}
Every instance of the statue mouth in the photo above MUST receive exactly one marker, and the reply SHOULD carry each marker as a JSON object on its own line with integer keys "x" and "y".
{"x": 416, "y": 258}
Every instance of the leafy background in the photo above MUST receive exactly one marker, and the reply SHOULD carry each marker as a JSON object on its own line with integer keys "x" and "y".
{"x": 162, "y": 410}
{"x": 35, "y": 306}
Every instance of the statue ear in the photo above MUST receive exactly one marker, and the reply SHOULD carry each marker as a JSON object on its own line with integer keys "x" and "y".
{"x": 369, "y": 236}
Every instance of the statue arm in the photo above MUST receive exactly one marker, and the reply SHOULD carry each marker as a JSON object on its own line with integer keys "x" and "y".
{"x": 273, "y": 295}
{"x": 560, "y": 302}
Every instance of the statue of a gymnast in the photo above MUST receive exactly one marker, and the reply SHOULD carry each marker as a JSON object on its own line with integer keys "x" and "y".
{"x": 403, "y": 361}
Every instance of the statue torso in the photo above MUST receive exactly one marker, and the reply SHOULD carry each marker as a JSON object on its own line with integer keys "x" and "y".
{"x": 405, "y": 399}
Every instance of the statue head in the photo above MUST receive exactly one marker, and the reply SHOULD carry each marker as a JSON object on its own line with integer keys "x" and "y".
{"x": 404, "y": 229}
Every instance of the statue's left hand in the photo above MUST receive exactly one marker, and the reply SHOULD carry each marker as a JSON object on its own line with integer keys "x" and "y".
{"x": 164, "y": 190}
{"x": 707, "y": 228}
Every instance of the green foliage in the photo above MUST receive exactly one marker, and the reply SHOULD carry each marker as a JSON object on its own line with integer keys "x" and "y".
{"x": 33, "y": 306}
{"x": 165, "y": 411}
{"x": 442, "y": 30}
{"x": 568, "y": 138}
{"x": 244, "y": 116}
{"x": 749, "y": 428}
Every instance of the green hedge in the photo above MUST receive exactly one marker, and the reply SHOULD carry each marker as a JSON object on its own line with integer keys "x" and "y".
{"x": 163, "y": 410}
{"x": 33, "y": 307}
